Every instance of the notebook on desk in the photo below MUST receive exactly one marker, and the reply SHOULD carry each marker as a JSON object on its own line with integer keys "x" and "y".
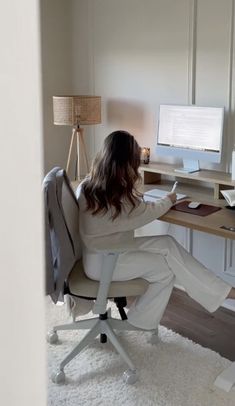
{"x": 159, "y": 194}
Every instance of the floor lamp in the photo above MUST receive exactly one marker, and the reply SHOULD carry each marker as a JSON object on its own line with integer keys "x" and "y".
{"x": 75, "y": 111}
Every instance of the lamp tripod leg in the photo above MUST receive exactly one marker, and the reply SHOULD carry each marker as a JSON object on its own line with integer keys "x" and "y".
{"x": 84, "y": 149}
{"x": 70, "y": 150}
{"x": 78, "y": 154}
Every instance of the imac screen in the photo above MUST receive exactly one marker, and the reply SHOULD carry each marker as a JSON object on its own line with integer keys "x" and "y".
{"x": 192, "y": 133}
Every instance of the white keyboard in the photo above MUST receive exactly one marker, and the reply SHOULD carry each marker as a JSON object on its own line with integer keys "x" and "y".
{"x": 159, "y": 194}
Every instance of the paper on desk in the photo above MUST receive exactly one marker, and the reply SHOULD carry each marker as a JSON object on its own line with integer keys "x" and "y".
{"x": 148, "y": 198}
{"x": 157, "y": 194}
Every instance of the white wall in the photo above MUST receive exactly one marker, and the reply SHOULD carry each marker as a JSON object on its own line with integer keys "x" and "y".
{"x": 82, "y": 62}
{"x": 140, "y": 54}
{"x": 136, "y": 55}
{"x": 57, "y": 68}
{"x": 140, "y": 57}
{"x": 22, "y": 353}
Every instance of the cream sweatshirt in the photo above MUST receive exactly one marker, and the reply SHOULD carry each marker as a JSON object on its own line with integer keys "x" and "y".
{"x": 100, "y": 232}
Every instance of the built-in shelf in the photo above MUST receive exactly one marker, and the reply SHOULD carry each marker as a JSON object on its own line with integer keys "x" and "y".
{"x": 152, "y": 173}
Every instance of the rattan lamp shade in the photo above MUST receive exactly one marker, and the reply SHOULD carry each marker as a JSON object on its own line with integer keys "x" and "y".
{"x": 77, "y": 110}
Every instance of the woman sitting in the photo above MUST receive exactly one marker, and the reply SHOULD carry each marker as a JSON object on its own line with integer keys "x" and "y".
{"x": 111, "y": 208}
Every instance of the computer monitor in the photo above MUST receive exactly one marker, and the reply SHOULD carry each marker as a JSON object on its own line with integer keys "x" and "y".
{"x": 192, "y": 133}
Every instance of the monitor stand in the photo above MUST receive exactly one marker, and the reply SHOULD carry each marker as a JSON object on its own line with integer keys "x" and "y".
{"x": 189, "y": 166}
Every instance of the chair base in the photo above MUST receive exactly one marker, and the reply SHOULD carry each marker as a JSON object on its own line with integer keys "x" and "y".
{"x": 104, "y": 326}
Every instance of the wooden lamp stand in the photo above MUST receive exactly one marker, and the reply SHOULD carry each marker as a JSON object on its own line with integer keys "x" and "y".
{"x": 78, "y": 140}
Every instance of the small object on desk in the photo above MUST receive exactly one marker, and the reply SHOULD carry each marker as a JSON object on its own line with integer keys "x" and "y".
{"x": 229, "y": 196}
{"x": 194, "y": 205}
{"x": 145, "y": 155}
{"x": 228, "y": 228}
{"x": 230, "y": 207}
{"x": 203, "y": 210}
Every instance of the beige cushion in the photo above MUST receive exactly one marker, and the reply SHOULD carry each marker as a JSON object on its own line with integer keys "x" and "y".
{"x": 80, "y": 285}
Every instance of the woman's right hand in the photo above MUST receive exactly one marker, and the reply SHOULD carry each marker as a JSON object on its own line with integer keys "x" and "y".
{"x": 172, "y": 197}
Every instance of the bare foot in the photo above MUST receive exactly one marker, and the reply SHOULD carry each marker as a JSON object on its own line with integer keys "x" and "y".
{"x": 231, "y": 294}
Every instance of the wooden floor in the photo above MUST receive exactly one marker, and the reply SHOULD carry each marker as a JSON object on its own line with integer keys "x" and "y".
{"x": 215, "y": 331}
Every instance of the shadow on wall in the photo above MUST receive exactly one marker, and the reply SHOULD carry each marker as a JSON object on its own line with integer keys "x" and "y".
{"x": 126, "y": 114}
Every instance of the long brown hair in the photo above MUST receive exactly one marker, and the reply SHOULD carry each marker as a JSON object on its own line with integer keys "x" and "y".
{"x": 114, "y": 175}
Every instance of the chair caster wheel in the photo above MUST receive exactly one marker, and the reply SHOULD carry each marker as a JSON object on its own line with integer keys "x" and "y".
{"x": 154, "y": 339}
{"x": 130, "y": 376}
{"x": 52, "y": 337}
{"x": 58, "y": 377}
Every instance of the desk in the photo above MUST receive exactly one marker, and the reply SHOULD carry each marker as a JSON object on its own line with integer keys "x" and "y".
{"x": 210, "y": 224}
{"x": 203, "y": 186}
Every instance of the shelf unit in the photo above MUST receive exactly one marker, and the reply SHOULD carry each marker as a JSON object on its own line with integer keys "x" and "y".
{"x": 152, "y": 173}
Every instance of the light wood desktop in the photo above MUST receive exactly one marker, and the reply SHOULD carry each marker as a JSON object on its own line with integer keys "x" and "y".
{"x": 210, "y": 224}
{"x": 203, "y": 186}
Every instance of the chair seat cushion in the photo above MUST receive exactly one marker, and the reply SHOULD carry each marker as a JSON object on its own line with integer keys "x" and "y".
{"x": 80, "y": 285}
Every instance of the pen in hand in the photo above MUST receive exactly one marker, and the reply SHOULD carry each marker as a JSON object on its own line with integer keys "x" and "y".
{"x": 172, "y": 195}
{"x": 174, "y": 187}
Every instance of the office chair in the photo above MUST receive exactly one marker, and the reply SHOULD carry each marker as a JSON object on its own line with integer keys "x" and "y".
{"x": 61, "y": 207}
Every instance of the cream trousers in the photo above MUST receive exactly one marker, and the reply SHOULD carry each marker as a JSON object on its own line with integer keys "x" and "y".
{"x": 161, "y": 260}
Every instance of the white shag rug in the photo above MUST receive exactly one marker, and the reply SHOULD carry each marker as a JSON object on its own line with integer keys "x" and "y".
{"x": 175, "y": 372}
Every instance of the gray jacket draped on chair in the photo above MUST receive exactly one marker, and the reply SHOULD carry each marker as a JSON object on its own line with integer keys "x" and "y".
{"x": 57, "y": 236}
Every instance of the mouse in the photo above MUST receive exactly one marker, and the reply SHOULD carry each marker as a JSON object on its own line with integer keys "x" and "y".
{"x": 194, "y": 205}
